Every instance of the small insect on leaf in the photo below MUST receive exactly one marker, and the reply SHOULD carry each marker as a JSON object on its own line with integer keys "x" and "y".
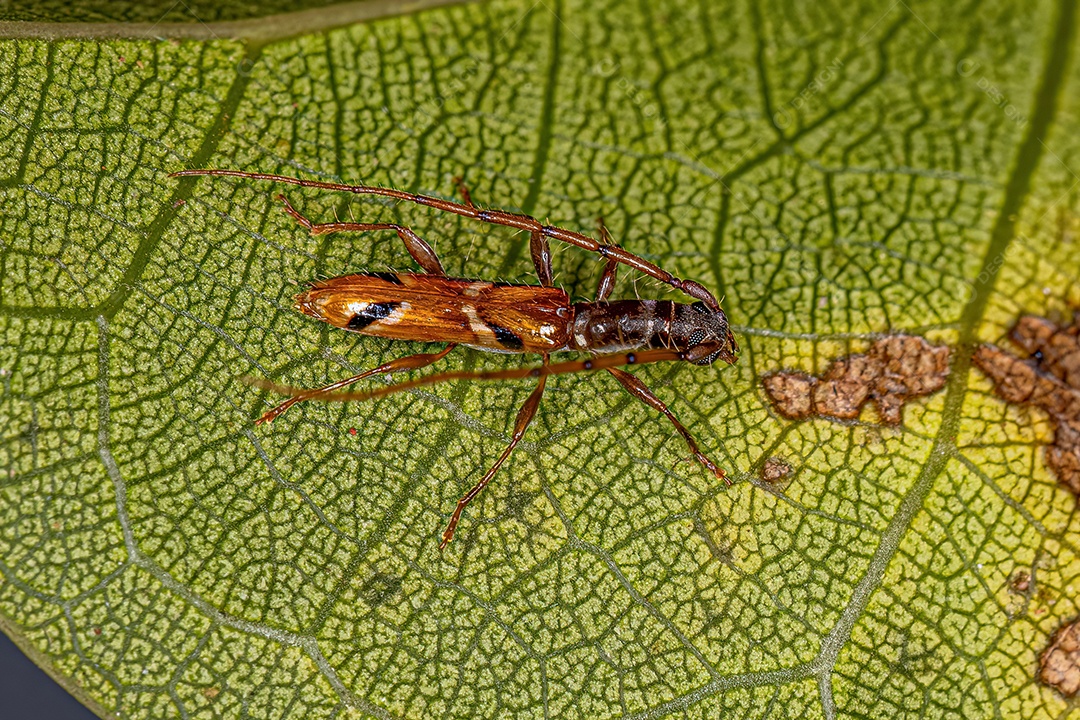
{"x": 498, "y": 317}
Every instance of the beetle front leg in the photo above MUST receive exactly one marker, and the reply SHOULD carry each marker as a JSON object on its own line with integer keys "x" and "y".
{"x": 422, "y": 253}
{"x": 637, "y": 388}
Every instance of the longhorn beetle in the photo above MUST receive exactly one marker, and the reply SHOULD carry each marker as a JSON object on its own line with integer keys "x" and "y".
{"x": 501, "y": 317}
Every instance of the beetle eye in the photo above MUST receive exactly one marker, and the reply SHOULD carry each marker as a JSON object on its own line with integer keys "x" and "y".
{"x": 700, "y": 307}
{"x": 696, "y": 338}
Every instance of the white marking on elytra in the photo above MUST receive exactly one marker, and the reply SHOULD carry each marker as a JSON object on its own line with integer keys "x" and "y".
{"x": 357, "y": 306}
{"x": 479, "y": 328}
{"x": 547, "y": 330}
{"x": 474, "y": 289}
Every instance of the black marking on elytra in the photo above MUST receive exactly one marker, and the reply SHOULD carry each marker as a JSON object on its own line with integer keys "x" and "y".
{"x": 390, "y": 277}
{"x": 370, "y": 314}
{"x": 506, "y": 338}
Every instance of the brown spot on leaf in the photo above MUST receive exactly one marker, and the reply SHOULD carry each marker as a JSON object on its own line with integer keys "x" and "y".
{"x": 211, "y": 692}
{"x": 1049, "y": 379}
{"x": 775, "y": 470}
{"x": 1020, "y": 582}
{"x": 1059, "y": 664}
{"x": 893, "y": 370}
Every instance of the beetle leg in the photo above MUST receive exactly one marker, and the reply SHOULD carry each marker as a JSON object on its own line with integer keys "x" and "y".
{"x": 538, "y": 242}
{"x": 464, "y": 190}
{"x": 412, "y": 362}
{"x": 422, "y": 253}
{"x": 541, "y": 257}
{"x": 524, "y": 417}
{"x": 637, "y": 388}
{"x": 496, "y": 217}
{"x": 601, "y": 362}
{"x": 607, "y": 277}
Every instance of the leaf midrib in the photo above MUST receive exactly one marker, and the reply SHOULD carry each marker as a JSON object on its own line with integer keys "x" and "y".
{"x": 264, "y": 30}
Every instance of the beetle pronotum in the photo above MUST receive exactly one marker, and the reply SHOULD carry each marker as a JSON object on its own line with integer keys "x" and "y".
{"x": 501, "y": 317}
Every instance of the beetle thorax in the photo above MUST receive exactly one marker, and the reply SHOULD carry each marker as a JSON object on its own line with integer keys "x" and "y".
{"x": 626, "y": 325}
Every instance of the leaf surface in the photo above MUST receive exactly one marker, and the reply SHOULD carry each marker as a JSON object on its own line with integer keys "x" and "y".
{"x": 834, "y": 172}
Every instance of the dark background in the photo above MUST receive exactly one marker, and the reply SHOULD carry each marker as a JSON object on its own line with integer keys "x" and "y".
{"x": 27, "y": 692}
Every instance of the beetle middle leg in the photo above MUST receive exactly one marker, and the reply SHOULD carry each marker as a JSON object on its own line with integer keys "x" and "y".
{"x": 464, "y": 190}
{"x": 411, "y": 362}
{"x": 604, "y": 362}
{"x": 524, "y": 417}
{"x": 422, "y": 253}
{"x": 611, "y": 267}
{"x": 539, "y": 248}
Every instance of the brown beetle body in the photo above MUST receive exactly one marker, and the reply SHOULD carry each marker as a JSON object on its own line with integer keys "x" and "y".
{"x": 501, "y": 317}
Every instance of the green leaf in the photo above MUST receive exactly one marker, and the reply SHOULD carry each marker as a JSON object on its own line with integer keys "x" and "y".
{"x": 835, "y": 172}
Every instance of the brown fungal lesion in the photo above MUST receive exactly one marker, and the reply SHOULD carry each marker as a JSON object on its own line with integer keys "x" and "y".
{"x": 775, "y": 470}
{"x": 893, "y": 370}
{"x": 1049, "y": 379}
{"x": 1059, "y": 663}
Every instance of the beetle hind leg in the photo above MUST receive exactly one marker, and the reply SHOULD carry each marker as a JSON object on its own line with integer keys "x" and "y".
{"x": 496, "y": 217}
{"x": 411, "y": 362}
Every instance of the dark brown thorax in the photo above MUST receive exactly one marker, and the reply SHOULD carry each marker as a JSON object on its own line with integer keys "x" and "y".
{"x": 609, "y": 327}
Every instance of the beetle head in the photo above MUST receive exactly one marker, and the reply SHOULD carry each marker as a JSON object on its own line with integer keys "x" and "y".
{"x": 706, "y": 335}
